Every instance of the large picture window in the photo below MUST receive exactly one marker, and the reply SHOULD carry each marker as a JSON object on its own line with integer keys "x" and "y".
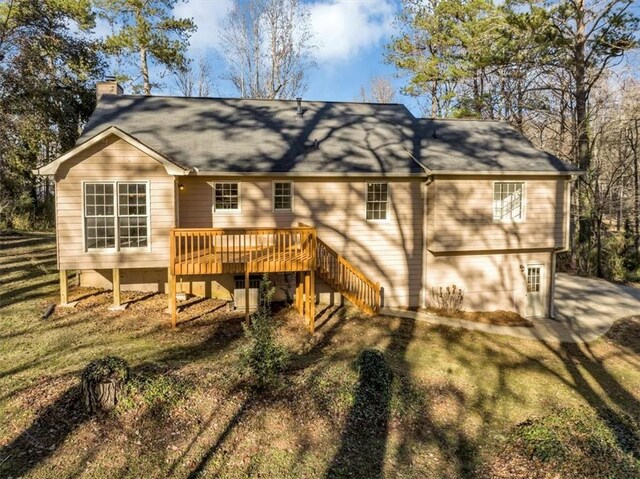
{"x": 377, "y": 201}
{"x": 226, "y": 197}
{"x": 508, "y": 201}
{"x": 116, "y": 215}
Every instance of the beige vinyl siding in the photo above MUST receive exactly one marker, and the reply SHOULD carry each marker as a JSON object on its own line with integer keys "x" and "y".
{"x": 112, "y": 160}
{"x": 461, "y": 215}
{"x": 490, "y": 281}
{"x": 389, "y": 252}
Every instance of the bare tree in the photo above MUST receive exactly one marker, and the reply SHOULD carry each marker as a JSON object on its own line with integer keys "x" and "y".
{"x": 268, "y": 46}
{"x": 380, "y": 90}
{"x": 196, "y": 80}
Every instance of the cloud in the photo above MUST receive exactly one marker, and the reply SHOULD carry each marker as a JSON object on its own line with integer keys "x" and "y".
{"x": 344, "y": 29}
{"x": 209, "y": 16}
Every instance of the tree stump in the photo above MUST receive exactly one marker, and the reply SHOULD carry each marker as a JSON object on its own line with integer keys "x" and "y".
{"x": 102, "y": 382}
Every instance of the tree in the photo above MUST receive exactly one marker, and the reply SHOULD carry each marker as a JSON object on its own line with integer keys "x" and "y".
{"x": 47, "y": 68}
{"x": 380, "y": 90}
{"x": 146, "y": 33}
{"x": 268, "y": 47}
{"x": 195, "y": 81}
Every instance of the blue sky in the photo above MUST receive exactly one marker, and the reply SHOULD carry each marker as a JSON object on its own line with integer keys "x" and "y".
{"x": 350, "y": 36}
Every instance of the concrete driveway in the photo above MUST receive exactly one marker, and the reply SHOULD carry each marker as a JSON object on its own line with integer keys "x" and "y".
{"x": 585, "y": 310}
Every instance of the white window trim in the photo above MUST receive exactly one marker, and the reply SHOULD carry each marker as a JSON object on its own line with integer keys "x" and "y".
{"x": 117, "y": 248}
{"x": 273, "y": 197}
{"x": 366, "y": 191}
{"x": 524, "y": 202}
{"x": 217, "y": 212}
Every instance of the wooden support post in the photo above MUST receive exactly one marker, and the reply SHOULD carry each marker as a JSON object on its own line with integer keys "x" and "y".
{"x": 172, "y": 298}
{"x": 307, "y": 296}
{"x": 115, "y": 285}
{"x": 246, "y": 295}
{"x": 64, "y": 287}
{"x": 299, "y": 293}
{"x": 312, "y": 302}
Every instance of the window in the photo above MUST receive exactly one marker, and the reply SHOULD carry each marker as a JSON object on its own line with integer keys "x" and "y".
{"x": 377, "y": 201}
{"x": 533, "y": 279}
{"x": 508, "y": 204}
{"x": 132, "y": 215}
{"x": 104, "y": 209}
{"x": 282, "y": 196}
{"x": 100, "y": 215}
{"x": 226, "y": 197}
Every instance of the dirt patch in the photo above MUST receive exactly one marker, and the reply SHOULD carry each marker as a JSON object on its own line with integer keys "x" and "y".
{"x": 497, "y": 318}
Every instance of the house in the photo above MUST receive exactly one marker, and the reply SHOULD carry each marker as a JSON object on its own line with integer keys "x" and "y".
{"x": 200, "y": 194}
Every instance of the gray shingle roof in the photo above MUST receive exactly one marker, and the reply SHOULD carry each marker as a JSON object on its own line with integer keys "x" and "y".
{"x": 480, "y": 146}
{"x": 232, "y": 135}
{"x": 220, "y": 135}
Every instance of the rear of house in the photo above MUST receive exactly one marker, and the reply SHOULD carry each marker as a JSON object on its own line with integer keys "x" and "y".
{"x": 397, "y": 204}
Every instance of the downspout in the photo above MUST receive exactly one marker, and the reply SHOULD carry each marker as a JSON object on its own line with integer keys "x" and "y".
{"x": 429, "y": 180}
{"x": 563, "y": 248}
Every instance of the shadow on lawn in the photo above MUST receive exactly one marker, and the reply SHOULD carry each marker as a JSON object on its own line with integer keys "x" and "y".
{"x": 364, "y": 439}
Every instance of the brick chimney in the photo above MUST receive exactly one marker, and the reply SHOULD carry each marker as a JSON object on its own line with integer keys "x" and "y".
{"x": 108, "y": 86}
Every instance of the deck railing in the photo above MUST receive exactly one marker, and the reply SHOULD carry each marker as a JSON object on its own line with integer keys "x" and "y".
{"x": 347, "y": 279}
{"x": 228, "y": 250}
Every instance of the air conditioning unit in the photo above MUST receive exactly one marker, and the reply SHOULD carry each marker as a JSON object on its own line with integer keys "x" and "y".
{"x": 239, "y": 296}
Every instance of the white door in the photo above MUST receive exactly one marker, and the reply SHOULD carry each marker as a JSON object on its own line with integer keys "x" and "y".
{"x": 536, "y": 291}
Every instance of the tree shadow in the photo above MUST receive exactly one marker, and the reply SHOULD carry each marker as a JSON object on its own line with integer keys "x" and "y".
{"x": 364, "y": 439}
{"x": 40, "y": 440}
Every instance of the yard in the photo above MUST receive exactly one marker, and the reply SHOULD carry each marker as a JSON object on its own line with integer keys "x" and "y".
{"x": 453, "y": 398}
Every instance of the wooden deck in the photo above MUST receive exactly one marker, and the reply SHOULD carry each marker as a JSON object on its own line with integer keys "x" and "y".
{"x": 269, "y": 250}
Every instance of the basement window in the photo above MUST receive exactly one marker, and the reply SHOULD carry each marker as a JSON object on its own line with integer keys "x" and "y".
{"x": 226, "y": 197}
{"x": 508, "y": 201}
{"x": 377, "y": 201}
{"x": 116, "y": 220}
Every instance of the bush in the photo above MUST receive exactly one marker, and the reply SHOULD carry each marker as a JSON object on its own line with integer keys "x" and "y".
{"x": 573, "y": 442}
{"x": 448, "y": 299}
{"x": 264, "y": 358}
{"x": 102, "y": 382}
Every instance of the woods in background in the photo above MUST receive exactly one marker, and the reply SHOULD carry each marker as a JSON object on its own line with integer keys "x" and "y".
{"x": 555, "y": 70}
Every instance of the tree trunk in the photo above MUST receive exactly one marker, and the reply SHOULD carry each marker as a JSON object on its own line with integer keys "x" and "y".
{"x": 636, "y": 187}
{"x": 144, "y": 69}
{"x": 102, "y": 396}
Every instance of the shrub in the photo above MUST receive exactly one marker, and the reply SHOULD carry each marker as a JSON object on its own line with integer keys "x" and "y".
{"x": 448, "y": 299}
{"x": 264, "y": 358}
{"x": 102, "y": 382}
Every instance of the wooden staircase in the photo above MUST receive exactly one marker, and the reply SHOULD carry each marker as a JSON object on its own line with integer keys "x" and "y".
{"x": 346, "y": 279}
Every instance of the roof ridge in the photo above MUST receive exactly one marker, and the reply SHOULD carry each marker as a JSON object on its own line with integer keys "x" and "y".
{"x": 292, "y": 100}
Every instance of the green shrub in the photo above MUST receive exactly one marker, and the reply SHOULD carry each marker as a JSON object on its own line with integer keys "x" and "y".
{"x": 264, "y": 359}
{"x": 579, "y": 442}
{"x": 109, "y": 368}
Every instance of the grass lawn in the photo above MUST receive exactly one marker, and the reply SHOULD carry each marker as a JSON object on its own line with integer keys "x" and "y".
{"x": 453, "y": 397}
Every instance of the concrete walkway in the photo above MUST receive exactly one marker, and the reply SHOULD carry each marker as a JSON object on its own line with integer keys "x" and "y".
{"x": 585, "y": 310}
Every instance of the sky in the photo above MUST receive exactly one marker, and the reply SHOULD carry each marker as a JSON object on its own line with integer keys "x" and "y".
{"x": 350, "y": 36}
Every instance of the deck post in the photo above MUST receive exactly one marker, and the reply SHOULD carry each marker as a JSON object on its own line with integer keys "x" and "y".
{"x": 312, "y": 301}
{"x": 64, "y": 287}
{"x": 246, "y": 295}
{"x": 172, "y": 298}
{"x": 298, "y": 293}
{"x": 307, "y": 296}
{"x": 115, "y": 286}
